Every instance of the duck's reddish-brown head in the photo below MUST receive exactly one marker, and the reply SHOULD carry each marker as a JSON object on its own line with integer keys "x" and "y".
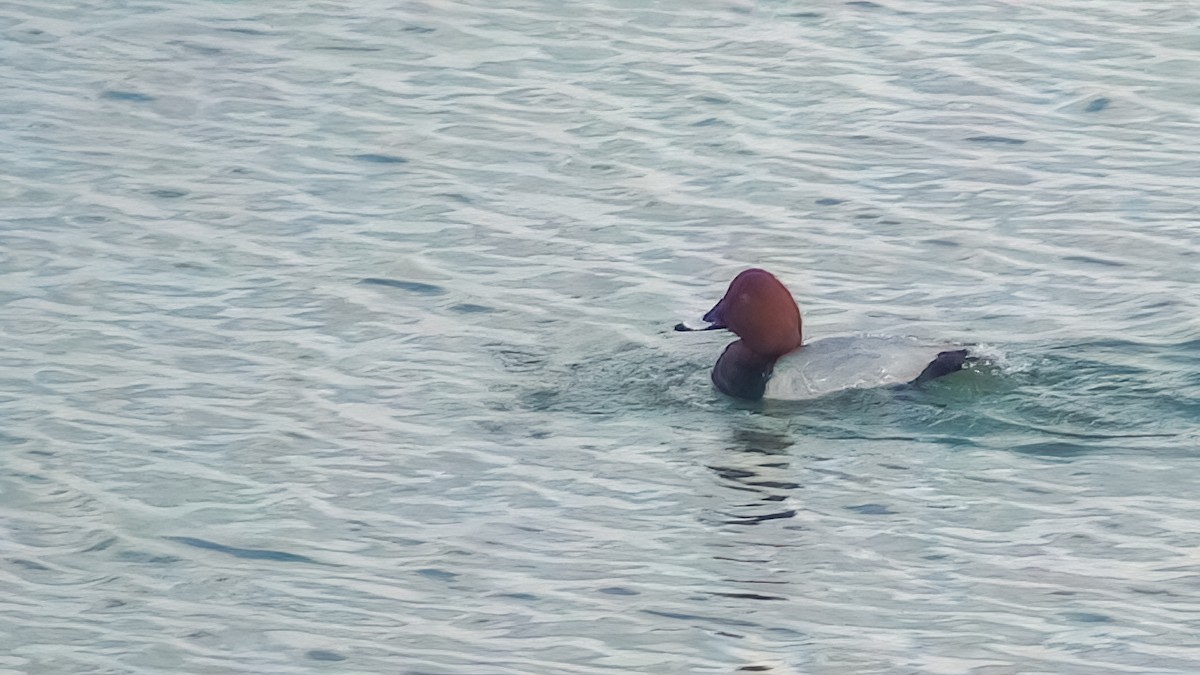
{"x": 760, "y": 310}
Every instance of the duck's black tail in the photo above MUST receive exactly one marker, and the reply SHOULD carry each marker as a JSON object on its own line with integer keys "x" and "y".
{"x": 944, "y": 364}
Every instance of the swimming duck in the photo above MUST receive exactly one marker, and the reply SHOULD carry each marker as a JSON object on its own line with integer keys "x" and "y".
{"x": 770, "y": 360}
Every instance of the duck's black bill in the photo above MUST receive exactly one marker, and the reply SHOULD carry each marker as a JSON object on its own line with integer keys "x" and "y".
{"x": 684, "y": 328}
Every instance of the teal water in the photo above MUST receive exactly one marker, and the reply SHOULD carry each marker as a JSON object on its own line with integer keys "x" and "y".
{"x": 337, "y": 337}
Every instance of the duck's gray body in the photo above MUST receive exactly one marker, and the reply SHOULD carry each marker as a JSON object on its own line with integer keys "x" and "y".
{"x": 835, "y": 364}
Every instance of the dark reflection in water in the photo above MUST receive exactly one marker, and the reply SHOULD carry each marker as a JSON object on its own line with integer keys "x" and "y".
{"x": 765, "y": 452}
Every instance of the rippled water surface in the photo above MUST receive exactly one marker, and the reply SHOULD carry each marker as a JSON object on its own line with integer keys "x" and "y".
{"x": 336, "y": 336}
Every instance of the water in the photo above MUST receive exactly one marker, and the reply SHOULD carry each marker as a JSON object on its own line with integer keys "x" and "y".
{"x": 337, "y": 337}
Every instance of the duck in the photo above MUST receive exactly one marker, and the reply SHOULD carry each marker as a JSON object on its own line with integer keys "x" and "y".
{"x": 770, "y": 360}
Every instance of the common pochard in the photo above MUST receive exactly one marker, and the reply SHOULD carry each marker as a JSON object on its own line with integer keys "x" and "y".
{"x": 771, "y": 361}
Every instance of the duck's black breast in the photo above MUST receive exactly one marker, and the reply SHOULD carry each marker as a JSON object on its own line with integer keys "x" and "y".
{"x": 742, "y": 373}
